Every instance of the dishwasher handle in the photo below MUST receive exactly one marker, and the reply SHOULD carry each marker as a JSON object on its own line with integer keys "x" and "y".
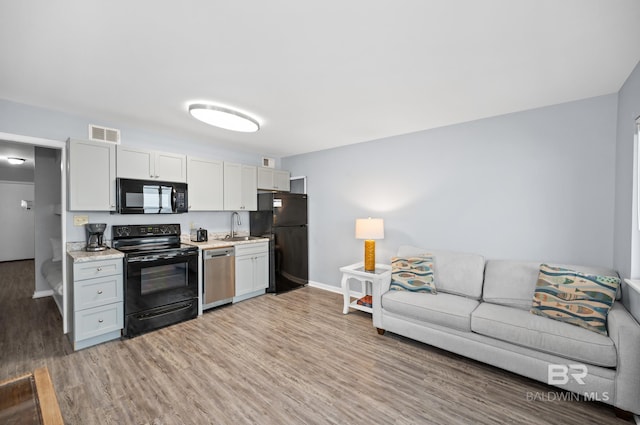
{"x": 222, "y": 252}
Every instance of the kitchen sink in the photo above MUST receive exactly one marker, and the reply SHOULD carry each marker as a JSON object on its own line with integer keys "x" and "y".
{"x": 240, "y": 238}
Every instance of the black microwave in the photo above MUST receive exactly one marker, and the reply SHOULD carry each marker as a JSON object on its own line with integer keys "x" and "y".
{"x": 150, "y": 197}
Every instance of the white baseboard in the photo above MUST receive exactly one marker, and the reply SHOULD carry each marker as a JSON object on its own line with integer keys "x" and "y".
{"x": 333, "y": 288}
{"x": 42, "y": 294}
{"x": 325, "y": 287}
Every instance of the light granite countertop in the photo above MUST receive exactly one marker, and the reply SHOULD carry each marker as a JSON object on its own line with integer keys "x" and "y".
{"x": 76, "y": 249}
{"x": 215, "y": 243}
{"x": 81, "y": 256}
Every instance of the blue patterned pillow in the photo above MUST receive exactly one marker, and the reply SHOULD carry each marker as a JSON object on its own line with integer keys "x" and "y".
{"x": 573, "y": 297}
{"x": 413, "y": 274}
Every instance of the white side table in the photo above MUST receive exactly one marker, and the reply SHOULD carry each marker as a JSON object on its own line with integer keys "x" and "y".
{"x": 356, "y": 271}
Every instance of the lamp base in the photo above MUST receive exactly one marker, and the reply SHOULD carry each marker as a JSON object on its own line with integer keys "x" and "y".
{"x": 369, "y": 255}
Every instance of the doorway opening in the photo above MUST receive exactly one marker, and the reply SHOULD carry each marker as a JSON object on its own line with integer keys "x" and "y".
{"x": 40, "y": 219}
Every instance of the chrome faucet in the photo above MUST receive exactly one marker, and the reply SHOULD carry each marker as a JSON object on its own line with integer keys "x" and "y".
{"x": 233, "y": 233}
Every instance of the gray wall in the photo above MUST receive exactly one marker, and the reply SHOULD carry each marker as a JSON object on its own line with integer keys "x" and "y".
{"x": 627, "y": 248}
{"x": 16, "y": 223}
{"x": 534, "y": 185}
{"x": 16, "y": 174}
{"x": 33, "y": 121}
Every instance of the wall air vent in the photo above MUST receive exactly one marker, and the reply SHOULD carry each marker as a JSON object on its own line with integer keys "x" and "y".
{"x": 268, "y": 162}
{"x": 104, "y": 134}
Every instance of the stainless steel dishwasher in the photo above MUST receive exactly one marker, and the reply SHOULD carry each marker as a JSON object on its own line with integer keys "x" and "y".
{"x": 219, "y": 277}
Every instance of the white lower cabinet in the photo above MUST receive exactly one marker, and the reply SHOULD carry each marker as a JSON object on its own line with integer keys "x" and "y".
{"x": 98, "y": 310}
{"x": 252, "y": 270}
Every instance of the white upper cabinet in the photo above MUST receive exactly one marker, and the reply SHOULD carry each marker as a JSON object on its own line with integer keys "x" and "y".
{"x": 150, "y": 165}
{"x": 205, "y": 178}
{"x": 272, "y": 179}
{"x": 240, "y": 187}
{"x": 249, "y": 188}
{"x": 282, "y": 180}
{"x": 92, "y": 174}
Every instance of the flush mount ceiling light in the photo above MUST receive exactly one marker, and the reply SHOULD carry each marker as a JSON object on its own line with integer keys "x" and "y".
{"x": 15, "y": 161}
{"x": 226, "y": 118}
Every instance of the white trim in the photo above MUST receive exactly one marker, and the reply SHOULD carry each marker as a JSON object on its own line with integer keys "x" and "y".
{"x": 325, "y": 287}
{"x": 334, "y": 289}
{"x": 15, "y": 182}
{"x": 304, "y": 182}
{"x": 634, "y": 283}
{"x": 42, "y": 294}
{"x": 47, "y": 143}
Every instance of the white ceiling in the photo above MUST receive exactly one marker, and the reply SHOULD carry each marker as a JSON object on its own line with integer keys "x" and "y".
{"x": 316, "y": 74}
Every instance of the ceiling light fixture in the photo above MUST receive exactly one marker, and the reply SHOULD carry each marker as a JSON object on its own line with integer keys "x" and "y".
{"x": 228, "y": 119}
{"x": 16, "y": 161}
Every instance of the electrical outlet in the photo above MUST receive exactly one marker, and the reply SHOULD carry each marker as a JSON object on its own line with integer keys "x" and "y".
{"x": 80, "y": 220}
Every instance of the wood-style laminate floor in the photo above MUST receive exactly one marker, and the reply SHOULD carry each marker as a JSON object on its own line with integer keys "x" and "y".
{"x": 287, "y": 359}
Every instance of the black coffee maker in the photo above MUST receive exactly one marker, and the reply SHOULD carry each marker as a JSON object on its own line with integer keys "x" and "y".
{"x": 95, "y": 236}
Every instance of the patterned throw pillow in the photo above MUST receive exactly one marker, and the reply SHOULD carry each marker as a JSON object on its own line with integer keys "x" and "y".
{"x": 573, "y": 297}
{"x": 413, "y": 274}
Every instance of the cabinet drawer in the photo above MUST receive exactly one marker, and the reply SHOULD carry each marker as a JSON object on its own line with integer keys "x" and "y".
{"x": 97, "y": 321}
{"x": 98, "y": 291}
{"x": 251, "y": 249}
{"x": 93, "y": 269}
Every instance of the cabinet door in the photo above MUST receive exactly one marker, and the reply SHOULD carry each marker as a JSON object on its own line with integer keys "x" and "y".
{"x": 281, "y": 180}
{"x": 249, "y": 199}
{"x": 206, "y": 184}
{"x": 135, "y": 164}
{"x": 170, "y": 167}
{"x": 261, "y": 271}
{"x": 244, "y": 275}
{"x": 265, "y": 178}
{"x": 92, "y": 172}
{"x": 232, "y": 186}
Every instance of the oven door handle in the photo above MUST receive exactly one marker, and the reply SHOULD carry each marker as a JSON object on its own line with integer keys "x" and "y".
{"x": 170, "y": 310}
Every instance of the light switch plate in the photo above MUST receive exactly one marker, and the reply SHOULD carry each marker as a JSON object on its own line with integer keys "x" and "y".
{"x": 80, "y": 220}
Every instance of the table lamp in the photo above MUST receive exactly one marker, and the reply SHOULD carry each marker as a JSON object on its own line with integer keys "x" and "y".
{"x": 369, "y": 229}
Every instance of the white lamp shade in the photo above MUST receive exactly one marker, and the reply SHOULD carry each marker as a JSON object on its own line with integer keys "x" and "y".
{"x": 369, "y": 228}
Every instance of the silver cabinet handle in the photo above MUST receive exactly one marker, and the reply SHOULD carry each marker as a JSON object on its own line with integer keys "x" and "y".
{"x": 99, "y": 269}
{"x": 100, "y": 320}
{"x": 99, "y": 291}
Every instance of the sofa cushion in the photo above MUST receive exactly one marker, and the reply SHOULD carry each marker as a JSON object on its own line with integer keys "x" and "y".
{"x": 512, "y": 283}
{"x": 519, "y": 327}
{"x": 577, "y": 298}
{"x": 454, "y": 272}
{"x": 443, "y": 309}
{"x": 413, "y": 274}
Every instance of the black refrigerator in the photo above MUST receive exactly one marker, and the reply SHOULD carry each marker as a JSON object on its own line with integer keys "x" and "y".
{"x": 282, "y": 217}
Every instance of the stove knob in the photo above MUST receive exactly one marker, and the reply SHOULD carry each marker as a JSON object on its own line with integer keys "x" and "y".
{"x": 164, "y": 230}
{"x": 123, "y": 231}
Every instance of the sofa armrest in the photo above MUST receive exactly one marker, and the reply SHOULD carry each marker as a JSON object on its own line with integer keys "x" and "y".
{"x": 376, "y": 300}
{"x": 625, "y": 333}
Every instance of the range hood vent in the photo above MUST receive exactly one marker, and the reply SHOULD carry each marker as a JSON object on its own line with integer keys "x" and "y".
{"x": 104, "y": 134}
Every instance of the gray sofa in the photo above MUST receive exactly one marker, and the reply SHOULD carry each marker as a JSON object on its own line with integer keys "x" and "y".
{"x": 481, "y": 311}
